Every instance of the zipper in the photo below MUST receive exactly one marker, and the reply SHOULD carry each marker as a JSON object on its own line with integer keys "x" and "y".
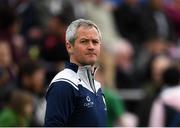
{"x": 90, "y": 75}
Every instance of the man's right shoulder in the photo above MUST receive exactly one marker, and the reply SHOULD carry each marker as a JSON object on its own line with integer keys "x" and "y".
{"x": 66, "y": 76}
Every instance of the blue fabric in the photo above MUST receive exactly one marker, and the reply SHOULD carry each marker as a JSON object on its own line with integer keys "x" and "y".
{"x": 71, "y": 66}
{"x": 172, "y": 117}
{"x": 60, "y": 102}
{"x": 67, "y": 106}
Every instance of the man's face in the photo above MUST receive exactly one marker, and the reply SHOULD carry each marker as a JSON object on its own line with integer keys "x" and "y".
{"x": 86, "y": 48}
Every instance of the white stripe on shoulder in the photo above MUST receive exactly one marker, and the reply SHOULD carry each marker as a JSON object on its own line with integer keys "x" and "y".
{"x": 67, "y": 75}
{"x": 66, "y": 80}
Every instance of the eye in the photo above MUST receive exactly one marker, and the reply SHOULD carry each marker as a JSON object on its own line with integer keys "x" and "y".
{"x": 83, "y": 41}
{"x": 96, "y": 42}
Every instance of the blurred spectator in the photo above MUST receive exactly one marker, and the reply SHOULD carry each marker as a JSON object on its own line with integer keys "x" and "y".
{"x": 5, "y": 88}
{"x": 117, "y": 115}
{"x": 61, "y": 7}
{"x": 128, "y": 21}
{"x": 165, "y": 111}
{"x": 107, "y": 59}
{"x": 33, "y": 43}
{"x": 19, "y": 110}
{"x": 54, "y": 41}
{"x": 6, "y": 60}
{"x": 8, "y": 22}
{"x": 173, "y": 12}
{"x": 29, "y": 30}
{"x": 155, "y": 21}
{"x": 8, "y": 72}
{"x": 174, "y": 52}
{"x": 28, "y": 15}
{"x": 115, "y": 107}
{"x": 115, "y": 3}
{"x": 31, "y": 79}
{"x": 20, "y": 48}
{"x": 151, "y": 48}
{"x": 9, "y": 27}
{"x": 124, "y": 60}
{"x": 52, "y": 49}
{"x": 153, "y": 85}
{"x": 3, "y": 77}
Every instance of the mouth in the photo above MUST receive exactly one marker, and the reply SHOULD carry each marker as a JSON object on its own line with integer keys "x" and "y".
{"x": 91, "y": 54}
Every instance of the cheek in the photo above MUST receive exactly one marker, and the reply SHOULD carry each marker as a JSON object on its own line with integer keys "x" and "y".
{"x": 79, "y": 51}
{"x": 98, "y": 49}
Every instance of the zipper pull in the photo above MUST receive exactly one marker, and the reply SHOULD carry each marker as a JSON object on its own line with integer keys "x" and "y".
{"x": 91, "y": 78}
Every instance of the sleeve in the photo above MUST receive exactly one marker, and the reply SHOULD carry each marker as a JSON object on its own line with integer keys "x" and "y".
{"x": 60, "y": 104}
{"x": 7, "y": 118}
{"x": 115, "y": 106}
{"x": 115, "y": 103}
{"x": 118, "y": 106}
{"x": 157, "y": 114}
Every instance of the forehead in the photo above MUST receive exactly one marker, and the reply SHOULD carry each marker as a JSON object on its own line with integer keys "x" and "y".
{"x": 87, "y": 31}
{"x": 161, "y": 63}
{"x": 4, "y": 46}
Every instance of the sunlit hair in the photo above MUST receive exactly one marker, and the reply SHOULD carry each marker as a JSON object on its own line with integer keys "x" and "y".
{"x": 71, "y": 34}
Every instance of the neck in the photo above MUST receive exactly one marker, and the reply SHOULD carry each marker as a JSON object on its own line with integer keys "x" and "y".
{"x": 80, "y": 64}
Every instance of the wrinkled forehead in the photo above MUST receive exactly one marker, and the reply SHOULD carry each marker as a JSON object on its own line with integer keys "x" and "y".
{"x": 87, "y": 31}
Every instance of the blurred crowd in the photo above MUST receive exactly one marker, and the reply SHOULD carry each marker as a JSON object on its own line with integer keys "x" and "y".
{"x": 139, "y": 67}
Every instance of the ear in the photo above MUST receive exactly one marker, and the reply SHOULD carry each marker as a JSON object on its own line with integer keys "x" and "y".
{"x": 69, "y": 48}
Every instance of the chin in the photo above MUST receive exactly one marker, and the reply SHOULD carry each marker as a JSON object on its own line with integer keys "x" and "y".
{"x": 91, "y": 62}
{"x": 88, "y": 61}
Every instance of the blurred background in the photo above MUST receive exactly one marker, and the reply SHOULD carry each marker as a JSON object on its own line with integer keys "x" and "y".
{"x": 140, "y": 56}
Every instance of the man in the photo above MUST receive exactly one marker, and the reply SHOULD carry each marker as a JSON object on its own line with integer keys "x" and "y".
{"x": 74, "y": 98}
{"x": 165, "y": 111}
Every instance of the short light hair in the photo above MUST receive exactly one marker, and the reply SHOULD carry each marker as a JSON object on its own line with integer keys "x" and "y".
{"x": 71, "y": 34}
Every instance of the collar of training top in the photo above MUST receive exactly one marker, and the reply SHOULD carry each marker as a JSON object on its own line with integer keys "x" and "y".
{"x": 71, "y": 66}
{"x": 75, "y": 67}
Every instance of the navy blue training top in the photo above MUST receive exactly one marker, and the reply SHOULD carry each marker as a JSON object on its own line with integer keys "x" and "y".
{"x": 70, "y": 102}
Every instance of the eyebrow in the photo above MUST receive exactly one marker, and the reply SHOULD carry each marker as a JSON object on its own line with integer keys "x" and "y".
{"x": 90, "y": 39}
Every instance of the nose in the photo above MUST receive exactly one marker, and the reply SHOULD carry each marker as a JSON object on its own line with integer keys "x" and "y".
{"x": 90, "y": 46}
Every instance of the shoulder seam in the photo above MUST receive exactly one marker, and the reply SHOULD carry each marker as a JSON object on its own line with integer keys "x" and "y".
{"x": 67, "y": 80}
